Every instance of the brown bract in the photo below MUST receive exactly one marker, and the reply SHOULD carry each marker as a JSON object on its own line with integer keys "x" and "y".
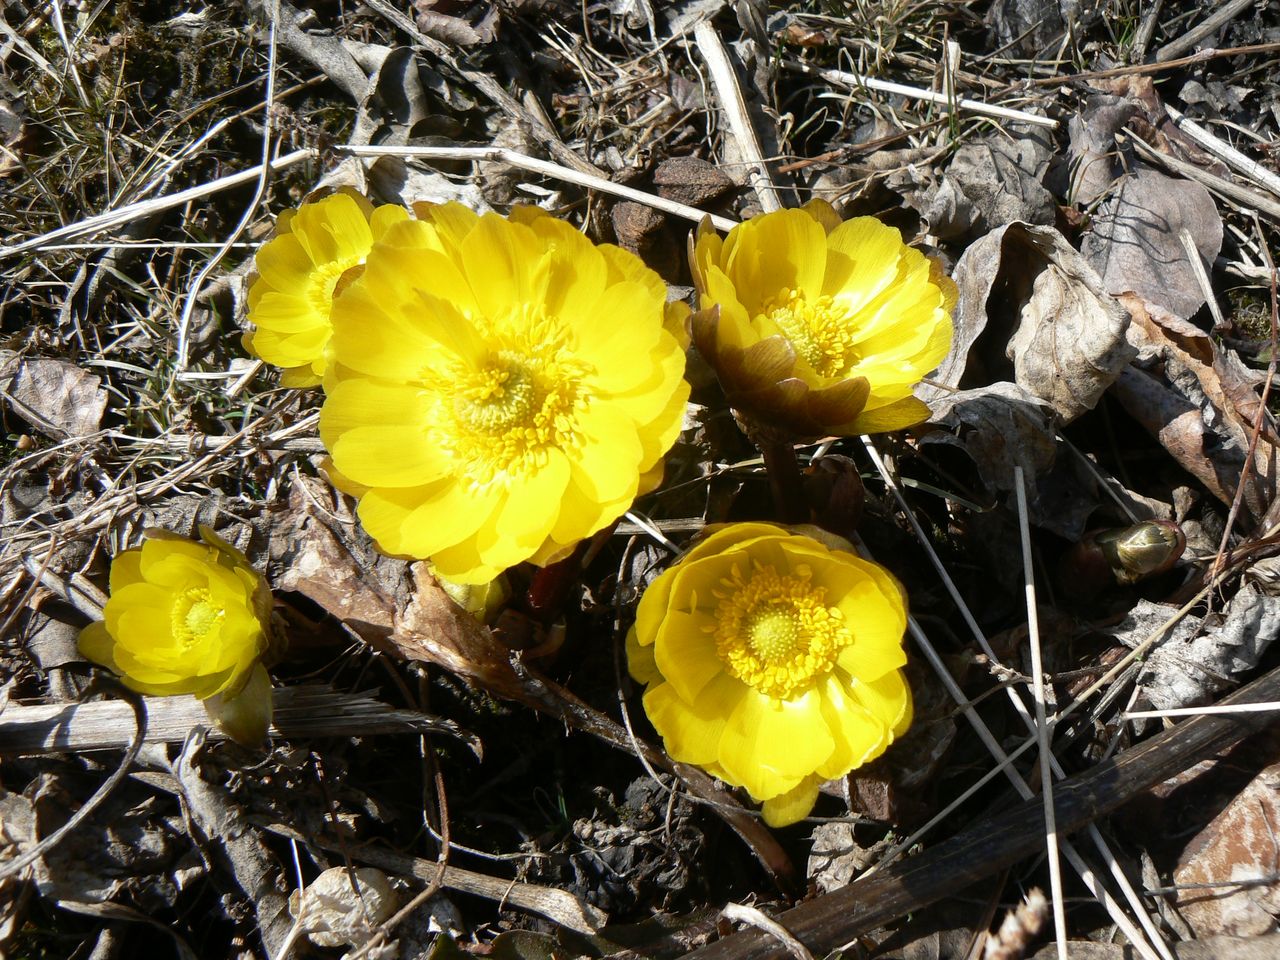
{"x": 758, "y": 382}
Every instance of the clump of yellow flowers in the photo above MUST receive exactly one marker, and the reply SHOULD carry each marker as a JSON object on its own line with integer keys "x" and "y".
{"x": 818, "y": 326}
{"x": 500, "y": 388}
{"x": 188, "y": 617}
{"x": 774, "y": 661}
{"x": 317, "y": 248}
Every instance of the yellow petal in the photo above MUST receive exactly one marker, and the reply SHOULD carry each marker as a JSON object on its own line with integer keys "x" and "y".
{"x": 887, "y": 698}
{"x": 641, "y": 663}
{"x": 95, "y": 644}
{"x": 692, "y": 732}
{"x": 419, "y": 522}
{"x": 390, "y": 456}
{"x": 685, "y": 653}
{"x": 792, "y": 806}
{"x": 861, "y": 261}
{"x": 771, "y": 745}
{"x": 775, "y": 253}
{"x": 529, "y": 513}
{"x": 607, "y": 464}
{"x": 859, "y": 735}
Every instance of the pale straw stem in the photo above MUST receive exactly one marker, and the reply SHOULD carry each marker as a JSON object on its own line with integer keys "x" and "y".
{"x": 735, "y": 110}
{"x": 1042, "y": 723}
{"x": 854, "y": 81}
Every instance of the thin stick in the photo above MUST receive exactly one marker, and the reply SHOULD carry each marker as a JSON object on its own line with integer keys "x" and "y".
{"x": 1193, "y": 36}
{"x": 193, "y": 293}
{"x": 144, "y": 208}
{"x": 735, "y": 110}
{"x": 1094, "y": 834}
{"x": 1224, "y": 151}
{"x": 1042, "y": 723}
{"x": 855, "y": 81}
{"x": 1201, "y": 711}
{"x": 553, "y": 170}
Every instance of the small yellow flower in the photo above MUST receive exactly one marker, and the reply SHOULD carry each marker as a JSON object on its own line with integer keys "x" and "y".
{"x": 298, "y": 278}
{"x": 187, "y": 617}
{"x": 501, "y": 388}
{"x": 773, "y": 661}
{"x": 818, "y": 326}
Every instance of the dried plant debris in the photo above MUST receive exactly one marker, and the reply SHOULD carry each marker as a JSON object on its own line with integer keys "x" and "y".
{"x": 1112, "y": 340}
{"x": 1066, "y": 336}
{"x": 1196, "y": 657}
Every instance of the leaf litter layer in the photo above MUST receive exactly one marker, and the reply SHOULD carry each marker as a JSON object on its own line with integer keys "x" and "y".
{"x": 1103, "y": 187}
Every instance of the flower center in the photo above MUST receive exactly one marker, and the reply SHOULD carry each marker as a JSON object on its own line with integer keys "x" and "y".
{"x": 496, "y": 399}
{"x": 501, "y": 418}
{"x": 821, "y": 332}
{"x": 775, "y": 632}
{"x": 196, "y": 618}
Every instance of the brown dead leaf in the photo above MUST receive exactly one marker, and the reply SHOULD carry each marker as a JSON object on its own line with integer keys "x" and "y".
{"x": 1135, "y": 242}
{"x": 431, "y": 627}
{"x": 1069, "y": 342}
{"x": 1240, "y": 844}
{"x": 54, "y": 396}
{"x": 1200, "y": 657}
{"x": 450, "y": 29}
{"x": 1198, "y": 404}
{"x": 315, "y": 554}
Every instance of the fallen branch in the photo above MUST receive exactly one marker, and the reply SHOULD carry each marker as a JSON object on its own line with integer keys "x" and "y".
{"x": 1002, "y": 839}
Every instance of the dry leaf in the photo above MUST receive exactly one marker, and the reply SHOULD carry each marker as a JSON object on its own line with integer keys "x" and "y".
{"x": 1069, "y": 343}
{"x": 1198, "y": 404}
{"x": 333, "y": 914}
{"x": 1240, "y": 844}
{"x": 1201, "y": 657}
{"x": 1000, "y": 427}
{"x": 431, "y": 627}
{"x": 57, "y": 398}
{"x": 999, "y": 180}
{"x": 315, "y": 554}
{"x": 1135, "y": 242}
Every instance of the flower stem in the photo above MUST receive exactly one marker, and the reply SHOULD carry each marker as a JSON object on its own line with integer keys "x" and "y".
{"x": 784, "y": 478}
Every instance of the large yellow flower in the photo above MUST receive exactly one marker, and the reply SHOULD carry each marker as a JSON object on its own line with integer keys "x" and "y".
{"x": 298, "y": 277}
{"x": 501, "y": 388}
{"x": 773, "y": 661}
{"x": 187, "y": 617}
{"x": 819, "y": 326}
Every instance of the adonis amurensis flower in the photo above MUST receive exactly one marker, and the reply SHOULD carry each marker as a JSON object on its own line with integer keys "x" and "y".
{"x": 818, "y": 326}
{"x": 501, "y": 388}
{"x": 317, "y": 250}
{"x": 188, "y": 617}
{"x": 773, "y": 660}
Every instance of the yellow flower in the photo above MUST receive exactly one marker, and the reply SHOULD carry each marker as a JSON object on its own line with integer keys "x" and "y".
{"x": 298, "y": 278}
{"x": 773, "y": 661}
{"x": 501, "y": 389}
{"x": 817, "y": 326}
{"x": 187, "y": 617}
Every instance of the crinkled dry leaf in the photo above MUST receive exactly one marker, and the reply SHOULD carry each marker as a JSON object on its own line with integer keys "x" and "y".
{"x": 1069, "y": 345}
{"x": 1135, "y": 244}
{"x": 431, "y": 627}
{"x": 335, "y": 914}
{"x": 1000, "y": 427}
{"x": 1238, "y": 845}
{"x": 836, "y": 856}
{"x": 993, "y": 182}
{"x": 1197, "y": 403}
{"x": 314, "y": 553}
{"x": 1201, "y": 656}
{"x": 57, "y": 398}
